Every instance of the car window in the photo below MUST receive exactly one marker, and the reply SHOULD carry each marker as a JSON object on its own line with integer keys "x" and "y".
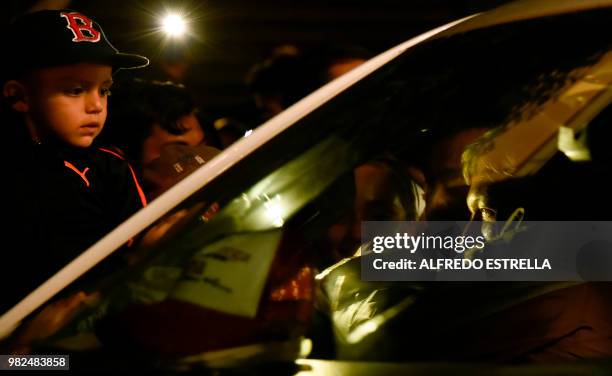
{"x": 303, "y": 181}
{"x": 531, "y": 75}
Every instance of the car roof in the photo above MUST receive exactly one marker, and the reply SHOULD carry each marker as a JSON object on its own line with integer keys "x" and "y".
{"x": 524, "y": 10}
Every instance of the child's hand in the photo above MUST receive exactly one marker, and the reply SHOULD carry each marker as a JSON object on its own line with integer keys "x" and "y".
{"x": 51, "y": 319}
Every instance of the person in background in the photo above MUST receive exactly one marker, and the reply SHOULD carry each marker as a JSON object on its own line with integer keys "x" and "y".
{"x": 278, "y": 81}
{"x": 150, "y": 116}
{"x": 331, "y": 61}
{"x": 288, "y": 74}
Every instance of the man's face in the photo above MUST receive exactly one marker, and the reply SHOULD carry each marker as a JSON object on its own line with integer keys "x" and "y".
{"x": 69, "y": 102}
{"x": 446, "y": 190}
{"x": 160, "y": 138}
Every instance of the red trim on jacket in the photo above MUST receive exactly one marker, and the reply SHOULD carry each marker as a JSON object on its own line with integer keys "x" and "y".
{"x": 143, "y": 198}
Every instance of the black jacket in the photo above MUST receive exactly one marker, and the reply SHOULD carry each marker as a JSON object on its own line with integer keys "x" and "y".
{"x": 61, "y": 201}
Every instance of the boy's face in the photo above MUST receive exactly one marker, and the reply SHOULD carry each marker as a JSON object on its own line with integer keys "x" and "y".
{"x": 69, "y": 102}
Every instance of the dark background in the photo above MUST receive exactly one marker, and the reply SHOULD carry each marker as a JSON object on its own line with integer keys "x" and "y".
{"x": 229, "y": 36}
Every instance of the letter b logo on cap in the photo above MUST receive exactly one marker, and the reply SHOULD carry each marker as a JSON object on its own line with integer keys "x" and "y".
{"x": 81, "y": 27}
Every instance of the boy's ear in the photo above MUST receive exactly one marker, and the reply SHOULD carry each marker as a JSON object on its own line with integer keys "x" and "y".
{"x": 15, "y": 93}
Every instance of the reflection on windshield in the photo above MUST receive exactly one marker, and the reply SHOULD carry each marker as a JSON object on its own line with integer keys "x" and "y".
{"x": 523, "y": 80}
{"x": 278, "y": 196}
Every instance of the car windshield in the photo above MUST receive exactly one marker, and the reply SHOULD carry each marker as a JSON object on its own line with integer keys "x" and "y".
{"x": 525, "y": 79}
{"x": 531, "y": 75}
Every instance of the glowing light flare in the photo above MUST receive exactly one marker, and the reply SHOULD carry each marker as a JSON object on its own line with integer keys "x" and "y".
{"x": 275, "y": 211}
{"x": 174, "y": 25}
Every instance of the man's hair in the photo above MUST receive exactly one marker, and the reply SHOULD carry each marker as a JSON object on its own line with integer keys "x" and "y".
{"x": 472, "y": 153}
{"x": 282, "y": 75}
{"x": 136, "y": 105}
{"x": 290, "y": 73}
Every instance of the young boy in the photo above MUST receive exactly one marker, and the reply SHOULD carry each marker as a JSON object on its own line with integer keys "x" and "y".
{"x": 64, "y": 193}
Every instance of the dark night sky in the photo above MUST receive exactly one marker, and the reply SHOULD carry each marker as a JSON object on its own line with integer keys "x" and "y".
{"x": 231, "y": 35}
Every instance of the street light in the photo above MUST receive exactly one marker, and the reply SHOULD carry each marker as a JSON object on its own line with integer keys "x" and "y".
{"x": 174, "y": 25}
